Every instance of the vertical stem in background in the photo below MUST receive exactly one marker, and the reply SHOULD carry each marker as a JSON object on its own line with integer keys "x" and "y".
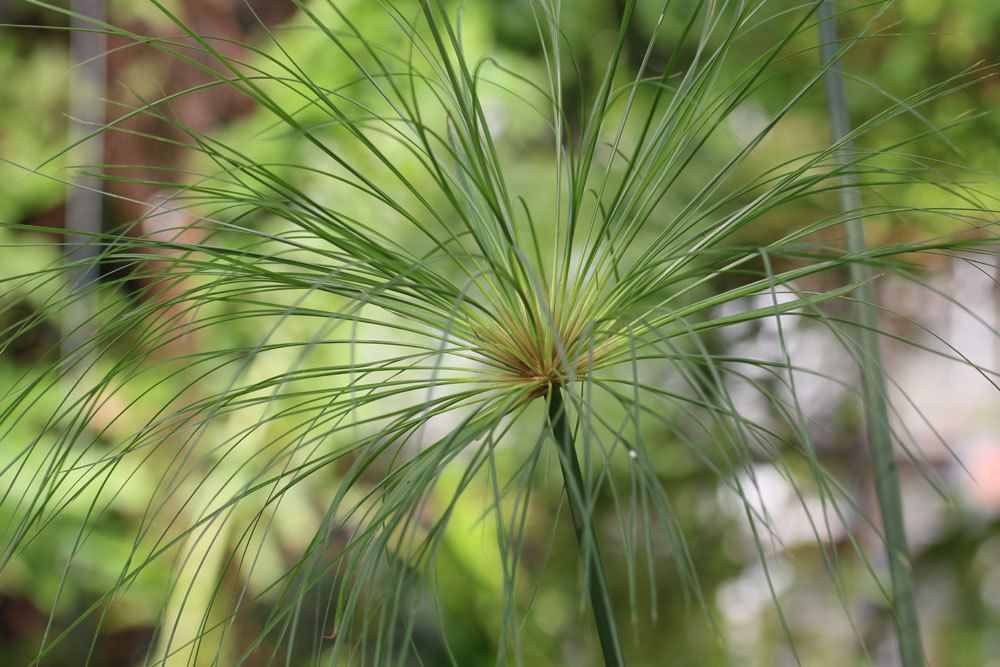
{"x": 880, "y": 439}
{"x": 600, "y": 598}
{"x": 84, "y": 204}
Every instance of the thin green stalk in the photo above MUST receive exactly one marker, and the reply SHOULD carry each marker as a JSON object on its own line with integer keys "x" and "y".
{"x": 880, "y": 440}
{"x": 600, "y": 598}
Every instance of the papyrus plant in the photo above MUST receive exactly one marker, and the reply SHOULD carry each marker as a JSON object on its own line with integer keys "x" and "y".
{"x": 422, "y": 313}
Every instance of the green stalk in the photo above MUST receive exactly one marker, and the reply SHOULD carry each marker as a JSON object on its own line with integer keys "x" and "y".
{"x": 880, "y": 440}
{"x": 600, "y": 598}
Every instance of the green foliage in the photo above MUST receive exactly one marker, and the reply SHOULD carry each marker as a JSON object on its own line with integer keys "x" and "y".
{"x": 387, "y": 288}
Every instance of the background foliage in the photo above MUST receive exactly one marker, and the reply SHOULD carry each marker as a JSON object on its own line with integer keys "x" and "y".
{"x": 955, "y": 529}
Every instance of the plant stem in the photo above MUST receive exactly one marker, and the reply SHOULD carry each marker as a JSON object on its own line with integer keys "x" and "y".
{"x": 880, "y": 438}
{"x": 85, "y": 201}
{"x": 600, "y": 598}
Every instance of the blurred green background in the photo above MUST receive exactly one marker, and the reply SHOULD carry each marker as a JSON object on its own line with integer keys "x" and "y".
{"x": 956, "y": 537}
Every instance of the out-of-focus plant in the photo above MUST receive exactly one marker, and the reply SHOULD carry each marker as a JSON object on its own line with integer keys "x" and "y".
{"x": 426, "y": 322}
